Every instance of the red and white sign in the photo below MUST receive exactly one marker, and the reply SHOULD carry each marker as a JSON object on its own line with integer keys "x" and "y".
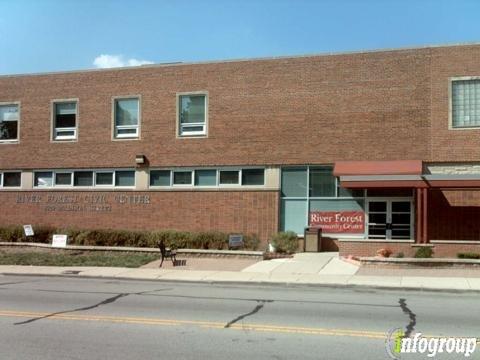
{"x": 339, "y": 222}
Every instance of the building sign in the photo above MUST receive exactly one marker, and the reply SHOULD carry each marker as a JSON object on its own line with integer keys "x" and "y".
{"x": 339, "y": 222}
{"x": 59, "y": 240}
{"x": 75, "y": 202}
{"x": 235, "y": 241}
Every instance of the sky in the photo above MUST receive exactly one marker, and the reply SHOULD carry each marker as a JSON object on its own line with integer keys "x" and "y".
{"x": 57, "y": 35}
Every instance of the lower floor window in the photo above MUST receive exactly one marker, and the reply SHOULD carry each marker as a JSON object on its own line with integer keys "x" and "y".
{"x": 84, "y": 178}
{"x": 10, "y": 179}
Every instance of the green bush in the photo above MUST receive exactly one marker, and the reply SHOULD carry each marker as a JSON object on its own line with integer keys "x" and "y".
{"x": 109, "y": 237}
{"x": 12, "y": 234}
{"x": 400, "y": 255}
{"x": 285, "y": 242}
{"x": 468, "y": 255}
{"x": 424, "y": 252}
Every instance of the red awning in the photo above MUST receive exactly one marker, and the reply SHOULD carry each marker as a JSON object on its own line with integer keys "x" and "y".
{"x": 380, "y": 174}
{"x": 395, "y": 167}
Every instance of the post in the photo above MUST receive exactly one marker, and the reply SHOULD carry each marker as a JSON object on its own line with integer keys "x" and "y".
{"x": 419, "y": 218}
{"x": 425, "y": 217}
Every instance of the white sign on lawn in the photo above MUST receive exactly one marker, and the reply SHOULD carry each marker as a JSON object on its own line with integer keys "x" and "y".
{"x": 59, "y": 240}
{"x": 28, "y": 230}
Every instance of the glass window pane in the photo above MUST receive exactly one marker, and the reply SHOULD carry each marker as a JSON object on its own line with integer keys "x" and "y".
{"x": 8, "y": 113}
{"x": 43, "y": 179}
{"x": 104, "y": 178}
{"x": 160, "y": 178}
{"x": 466, "y": 103}
{"x": 294, "y": 215}
{"x": 322, "y": 182}
{"x": 9, "y": 122}
{"x": 342, "y": 192}
{"x": 253, "y": 177}
{"x": 11, "y": 179}
{"x": 182, "y": 178}
{"x": 83, "y": 178}
{"x": 126, "y": 112}
{"x": 401, "y": 206}
{"x": 205, "y": 177}
{"x": 294, "y": 182}
{"x": 192, "y": 109}
{"x": 63, "y": 178}
{"x": 229, "y": 177}
{"x": 125, "y": 178}
{"x": 67, "y": 108}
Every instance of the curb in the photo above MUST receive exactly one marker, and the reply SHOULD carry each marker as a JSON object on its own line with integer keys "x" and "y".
{"x": 239, "y": 253}
{"x": 255, "y": 283}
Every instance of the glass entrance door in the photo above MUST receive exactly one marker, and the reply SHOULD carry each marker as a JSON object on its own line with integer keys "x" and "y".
{"x": 389, "y": 219}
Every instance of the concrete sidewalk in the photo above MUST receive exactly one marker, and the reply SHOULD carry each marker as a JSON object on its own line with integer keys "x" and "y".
{"x": 322, "y": 269}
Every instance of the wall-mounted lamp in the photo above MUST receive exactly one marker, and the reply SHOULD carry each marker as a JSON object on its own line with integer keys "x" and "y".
{"x": 139, "y": 159}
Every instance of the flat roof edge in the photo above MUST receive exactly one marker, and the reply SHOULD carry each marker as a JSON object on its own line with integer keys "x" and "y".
{"x": 266, "y": 58}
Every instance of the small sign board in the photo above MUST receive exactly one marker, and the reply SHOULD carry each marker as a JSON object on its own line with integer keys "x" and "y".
{"x": 28, "y": 230}
{"x": 235, "y": 241}
{"x": 59, "y": 240}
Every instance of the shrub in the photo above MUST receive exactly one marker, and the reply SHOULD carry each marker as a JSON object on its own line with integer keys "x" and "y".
{"x": 12, "y": 234}
{"x": 285, "y": 242}
{"x": 109, "y": 237}
{"x": 424, "y": 252}
{"x": 400, "y": 255}
{"x": 468, "y": 255}
{"x": 251, "y": 242}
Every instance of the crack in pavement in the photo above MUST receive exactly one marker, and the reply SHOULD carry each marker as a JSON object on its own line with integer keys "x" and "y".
{"x": 107, "y": 301}
{"x": 411, "y": 315}
{"x": 260, "y": 304}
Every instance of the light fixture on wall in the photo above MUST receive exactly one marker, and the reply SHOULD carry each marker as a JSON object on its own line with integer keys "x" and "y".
{"x": 139, "y": 159}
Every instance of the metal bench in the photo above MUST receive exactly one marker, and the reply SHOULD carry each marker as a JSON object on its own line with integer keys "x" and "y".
{"x": 167, "y": 253}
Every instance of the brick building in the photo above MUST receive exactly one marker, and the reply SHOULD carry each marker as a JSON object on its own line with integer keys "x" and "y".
{"x": 380, "y": 149}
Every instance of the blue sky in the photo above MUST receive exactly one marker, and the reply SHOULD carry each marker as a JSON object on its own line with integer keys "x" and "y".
{"x": 50, "y": 35}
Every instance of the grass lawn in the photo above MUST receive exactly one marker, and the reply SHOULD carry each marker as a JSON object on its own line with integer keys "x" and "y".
{"x": 76, "y": 258}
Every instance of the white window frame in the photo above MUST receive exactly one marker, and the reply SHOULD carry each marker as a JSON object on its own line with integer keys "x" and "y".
{"x": 115, "y": 128}
{"x": 115, "y": 179}
{"x": 450, "y": 103}
{"x": 181, "y": 133}
{"x": 238, "y": 184}
{"x": 160, "y": 186}
{"x": 44, "y": 171}
{"x": 217, "y": 174}
{"x": 17, "y": 104}
{"x": 55, "y": 131}
{"x": 94, "y": 184}
{"x": 104, "y": 185}
{"x": 54, "y": 181}
{"x": 172, "y": 176}
{"x": 2, "y": 179}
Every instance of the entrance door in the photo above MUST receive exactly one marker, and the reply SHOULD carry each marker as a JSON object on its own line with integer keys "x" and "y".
{"x": 389, "y": 219}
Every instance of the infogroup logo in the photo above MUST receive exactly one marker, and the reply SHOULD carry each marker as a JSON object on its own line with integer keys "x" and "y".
{"x": 398, "y": 344}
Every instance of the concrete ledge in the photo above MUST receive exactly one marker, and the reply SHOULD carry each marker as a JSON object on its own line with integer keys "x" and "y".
{"x": 198, "y": 252}
{"x": 419, "y": 261}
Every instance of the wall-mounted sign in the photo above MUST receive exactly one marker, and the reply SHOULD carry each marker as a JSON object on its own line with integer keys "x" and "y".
{"x": 28, "y": 230}
{"x": 338, "y": 222}
{"x": 59, "y": 240}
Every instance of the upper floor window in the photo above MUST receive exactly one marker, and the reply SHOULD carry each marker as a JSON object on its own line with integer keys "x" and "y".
{"x": 192, "y": 115}
{"x": 10, "y": 179}
{"x": 65, "y": 120}
{"x": 126, "y": 118}
{"x": 9, "y": 117}
{"x": 466, "y": 103}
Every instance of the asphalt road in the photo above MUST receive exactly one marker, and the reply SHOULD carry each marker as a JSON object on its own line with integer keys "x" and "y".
{"x": 68, "y": 318}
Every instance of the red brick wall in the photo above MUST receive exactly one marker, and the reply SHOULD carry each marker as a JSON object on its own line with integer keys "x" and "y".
{"x": 248, "y": 212}
{"x": 377, "y": 103}
{"x": 451, "y": 145}
{"x": 454, "y": 215}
